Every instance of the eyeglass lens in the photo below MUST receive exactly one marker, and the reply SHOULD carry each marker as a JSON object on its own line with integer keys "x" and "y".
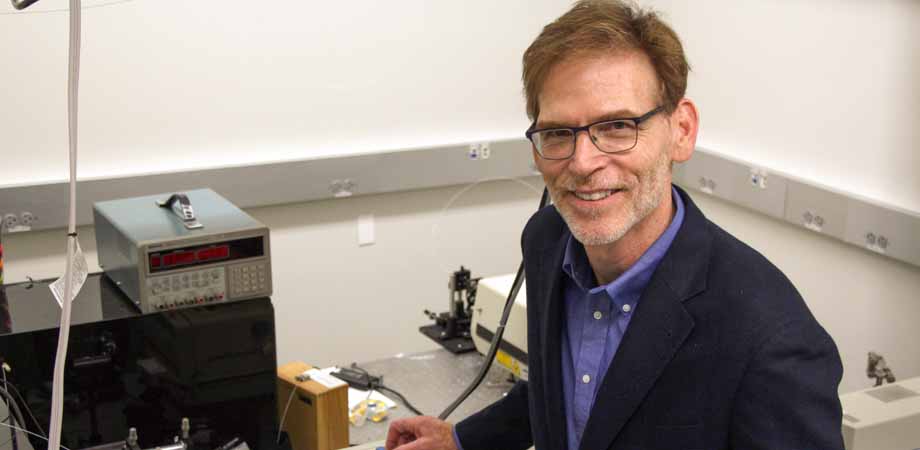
{"x": 611, "y": 137}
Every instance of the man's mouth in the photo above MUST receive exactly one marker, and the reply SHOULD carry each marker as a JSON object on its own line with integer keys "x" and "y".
{"x": 594, "y": 196}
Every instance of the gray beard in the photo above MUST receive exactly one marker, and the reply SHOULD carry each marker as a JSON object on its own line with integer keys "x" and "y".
{"x": 648, "y": 198}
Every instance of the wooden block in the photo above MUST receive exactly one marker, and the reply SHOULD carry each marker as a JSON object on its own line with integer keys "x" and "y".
{"x": 317, "y": 418}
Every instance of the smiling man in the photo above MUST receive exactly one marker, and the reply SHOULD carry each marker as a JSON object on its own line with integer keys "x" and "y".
{"x": 649, "y": 327}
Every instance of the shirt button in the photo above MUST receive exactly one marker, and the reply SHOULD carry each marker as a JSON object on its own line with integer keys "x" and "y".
{"x": 586, "y": 378}
{"x": 627, "y": 308}
{"x": 598, "y": 315}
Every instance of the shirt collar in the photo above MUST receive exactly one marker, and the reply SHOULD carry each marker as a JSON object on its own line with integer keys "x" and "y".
{"x": 632, "y": 282}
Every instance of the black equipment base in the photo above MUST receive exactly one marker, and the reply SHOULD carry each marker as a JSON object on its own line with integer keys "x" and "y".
{"x": 455, "y": 345}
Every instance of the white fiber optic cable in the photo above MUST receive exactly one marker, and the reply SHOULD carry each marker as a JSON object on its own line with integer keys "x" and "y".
{"x": 73, "y": 247}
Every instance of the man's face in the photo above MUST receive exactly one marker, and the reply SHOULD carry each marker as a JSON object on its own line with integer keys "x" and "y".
{"x": 603, "y": 196}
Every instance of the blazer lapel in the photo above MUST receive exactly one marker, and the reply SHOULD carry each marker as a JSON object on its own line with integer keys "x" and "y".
{"x": 655, "y": 333}
{"x": 551, "y": 333}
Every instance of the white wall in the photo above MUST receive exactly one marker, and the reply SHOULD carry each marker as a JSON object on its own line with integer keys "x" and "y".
{"x": 172, "y": 84}
{"x": 826, "y": 90}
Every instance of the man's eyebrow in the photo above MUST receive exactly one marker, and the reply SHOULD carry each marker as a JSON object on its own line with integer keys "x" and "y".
{"x": 612, "y": 115}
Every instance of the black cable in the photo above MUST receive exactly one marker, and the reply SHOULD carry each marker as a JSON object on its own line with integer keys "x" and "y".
{"x": 10, "y": 439}
{"x": 9, "y": 409}
{"x": 28, "y": 410}
{"x": 401, "y": 397}
{"x": 14, "y": 409}
{"x": 499, "y": 331}
{"x": 381, "y": 387}
{"x": 14, "y": 443}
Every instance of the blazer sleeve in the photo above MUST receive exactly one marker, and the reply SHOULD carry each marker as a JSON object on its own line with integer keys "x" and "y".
{"x": 788, "y": 398}
{"x": 504, "y": 424}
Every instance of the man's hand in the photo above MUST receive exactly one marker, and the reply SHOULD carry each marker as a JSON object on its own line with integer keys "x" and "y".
{"x": 420, "y": 433}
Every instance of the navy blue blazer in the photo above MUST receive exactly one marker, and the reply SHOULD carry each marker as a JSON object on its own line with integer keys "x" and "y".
{"x": 722, "y": 353}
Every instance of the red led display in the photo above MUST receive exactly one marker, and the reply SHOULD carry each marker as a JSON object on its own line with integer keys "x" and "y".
{"x": 213, "y": 253}
{"x": 166, "y": 260}
{"x": 177, "y": 258}
{"x": 186, "y": 257}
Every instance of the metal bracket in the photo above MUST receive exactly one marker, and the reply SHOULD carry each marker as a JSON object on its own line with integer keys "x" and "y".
{"x": 181, "y": 206}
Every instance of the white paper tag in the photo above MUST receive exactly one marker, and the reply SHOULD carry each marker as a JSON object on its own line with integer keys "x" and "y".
{"x": 78, "y": 273}
{"x": 324, "y": 378}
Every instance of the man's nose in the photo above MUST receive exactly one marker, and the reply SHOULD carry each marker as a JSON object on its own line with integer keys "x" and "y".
{"x": 587, "y": 158}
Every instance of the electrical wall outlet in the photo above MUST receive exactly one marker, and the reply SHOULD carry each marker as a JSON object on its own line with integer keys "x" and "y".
{"x": 707, "y": 185}
{"x": 883, "y": 230}
{"x": 27, "y": 219}
{"x": 816, "y": 209}
{"x": 710, "y": 174}
{"x": 876, "y": 243}
{"x": 485, "y": 150}
{"x": 813, "y": 221}
{"x": 10, "y": 221}
{"x": 342, "y": 188}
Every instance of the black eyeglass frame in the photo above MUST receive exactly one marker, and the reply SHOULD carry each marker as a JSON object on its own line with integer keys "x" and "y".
{"x": 575, "y": 130}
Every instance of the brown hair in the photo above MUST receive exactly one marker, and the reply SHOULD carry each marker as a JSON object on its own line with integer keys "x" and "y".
{"x": 598, "y": 26}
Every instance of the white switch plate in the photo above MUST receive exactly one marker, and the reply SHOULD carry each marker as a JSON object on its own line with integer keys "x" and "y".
{"x": 366, "y": 234}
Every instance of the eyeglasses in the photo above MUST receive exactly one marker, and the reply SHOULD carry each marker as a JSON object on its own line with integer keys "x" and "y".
{"x": 609, "y": 136}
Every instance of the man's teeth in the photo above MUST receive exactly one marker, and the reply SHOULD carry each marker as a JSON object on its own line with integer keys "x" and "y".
{"x": 593, "y": 196}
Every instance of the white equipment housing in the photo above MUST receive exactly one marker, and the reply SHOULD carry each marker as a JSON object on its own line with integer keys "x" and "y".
{"x": 490, "y": 301}
{"x": 883, "y": 418}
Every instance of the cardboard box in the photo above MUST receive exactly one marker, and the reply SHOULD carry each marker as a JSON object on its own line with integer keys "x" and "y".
{"x": 317, "y": 418}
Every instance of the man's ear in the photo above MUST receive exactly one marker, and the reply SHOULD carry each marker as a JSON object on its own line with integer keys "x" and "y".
{"x": 685, "y": 122}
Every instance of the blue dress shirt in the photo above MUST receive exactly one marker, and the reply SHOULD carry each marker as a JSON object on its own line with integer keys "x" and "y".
{"x": 596, "y": 318}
